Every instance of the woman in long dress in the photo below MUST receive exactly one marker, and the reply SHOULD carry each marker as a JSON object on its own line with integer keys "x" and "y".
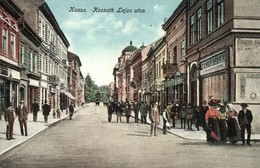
{"x": 233, "y": 126}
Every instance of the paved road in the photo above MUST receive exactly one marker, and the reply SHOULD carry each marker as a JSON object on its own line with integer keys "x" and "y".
{"x": 90, "y": 141}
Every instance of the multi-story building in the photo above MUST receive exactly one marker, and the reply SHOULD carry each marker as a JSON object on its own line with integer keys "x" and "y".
{"x": 160, "y": 59}
{"x": 30, "y": 64}
{"x": 147, "y": 74}
{"x": 137, "y": 73}
{"x": 125, "y": 72}
{"x": 9, "y": 54}
{"x": 75, "y": 79}
{"x": 52, "y": 57}
{"x": 174, "y": 69}
{"x": 223, "y": 48}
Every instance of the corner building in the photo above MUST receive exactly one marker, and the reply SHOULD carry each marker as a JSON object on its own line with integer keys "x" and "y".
{"x": 223, "y": 46}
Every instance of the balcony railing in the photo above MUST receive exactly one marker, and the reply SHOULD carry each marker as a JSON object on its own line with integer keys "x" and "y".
{"x": 169, "y": 69}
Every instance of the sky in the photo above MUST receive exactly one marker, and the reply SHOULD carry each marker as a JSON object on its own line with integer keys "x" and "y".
{"x": 98, "y": 38}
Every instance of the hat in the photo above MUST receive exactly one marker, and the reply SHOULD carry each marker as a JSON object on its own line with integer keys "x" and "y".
{"x": 244, "y": 105}
{"x": 214, "y": 102}
{"x": 10, "y": 104}
{"x": 21, "y": 101}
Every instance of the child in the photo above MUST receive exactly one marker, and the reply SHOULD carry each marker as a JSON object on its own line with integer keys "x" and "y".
{"x": 58, "y": 113}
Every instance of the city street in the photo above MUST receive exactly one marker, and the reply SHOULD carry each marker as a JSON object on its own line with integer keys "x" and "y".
{"x": 88, "y": 140}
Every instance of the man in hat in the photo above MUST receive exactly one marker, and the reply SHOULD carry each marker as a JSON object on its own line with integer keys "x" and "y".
{"x": 22, "y": 113}
{"x": 46, "y": 108}
{"x": 154, "y": 117}
{"x": 9, "y": 119}
{"x": 245, "y": 119}
{"x": 35, "y": 109}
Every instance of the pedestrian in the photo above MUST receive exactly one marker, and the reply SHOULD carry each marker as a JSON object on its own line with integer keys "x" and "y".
{"x": 58, "y": 113}
{"x": 183, "y": 115}
{"x": 154, "y": 117}
{"x": 233, "y": 128}
{"x": 119, "y": 111}
{"x": 9, "y": 119}
{"x": 71, "y": 110}
{"x": 166, "y": 115}
{"x": 203, "y": 110}
{"x": 46, "y": 108}
{"x": 35, "y": 109}
{"x": 109, "y": 110}
{"x": 22, "y": 113}
{"x": 245, "y": 119}
{"x": 143, "y": 111}
{"x": 174, "y": 113}
{"x": 222, "y": 116}
{"x": 136, "y": 110}
{"x": 189, "y": 116}
{"x": 211, "y": 122}
{"x": 198, "y": 118}
{"x": 127, "y": 110}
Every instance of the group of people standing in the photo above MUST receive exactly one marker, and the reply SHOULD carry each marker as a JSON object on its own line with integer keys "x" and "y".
{"x": 224, "y": 123}
{"x": 22, "y": 112}
{"x": 137, "y": 107}
{"x": 220, "y": 121}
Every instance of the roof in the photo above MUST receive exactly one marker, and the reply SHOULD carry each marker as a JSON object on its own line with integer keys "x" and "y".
{"x": 129, "y": 48}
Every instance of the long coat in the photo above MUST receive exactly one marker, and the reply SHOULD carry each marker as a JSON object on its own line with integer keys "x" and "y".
{"x": 144, "y": 110}
{"x": 154, "y": 114}
{"x": 22, "y": 113}
{"x": 46, "y": 108}
{"x": 242, "y": 117}
{"x": 9, "y": 115}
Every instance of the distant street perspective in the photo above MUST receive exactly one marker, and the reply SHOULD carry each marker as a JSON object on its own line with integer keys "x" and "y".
{"x": 89, "y": 140}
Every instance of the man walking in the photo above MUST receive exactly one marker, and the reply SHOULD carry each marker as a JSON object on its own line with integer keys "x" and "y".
{"x": 35, "y": 109}
{"x": 22, "y": 113}
{"x": 46, "y": 108}
{"x": 9, "y": 119}
{"x": 154, "y": 117}
{"x": 245, "y": 119}
{"x": 136, "y": 110}
{"x": 71, "y": 110}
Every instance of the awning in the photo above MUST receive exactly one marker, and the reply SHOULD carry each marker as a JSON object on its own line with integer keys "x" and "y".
{"x": 70, "y": 95}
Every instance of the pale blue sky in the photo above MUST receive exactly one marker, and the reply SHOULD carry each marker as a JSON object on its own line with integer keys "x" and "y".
{"x": 99, "y": 38}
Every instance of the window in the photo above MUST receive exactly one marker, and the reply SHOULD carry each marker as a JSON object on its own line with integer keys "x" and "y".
{"x": 35, "y": 63}
{"x": 183, "y": 49}
{"x": 192, "y": 30}
{"x": 209, "y": 16}
{"x": 4, "y": 41}
{"x": 12, "y": 46}
{"x": 160, "y": 67}
{"x": 192, "y": 2}
{"x": 31, "y": 60}
{"x": 221, "y": 12}
{"x": 199, "y": 24}
{"x": 21, "y": 53}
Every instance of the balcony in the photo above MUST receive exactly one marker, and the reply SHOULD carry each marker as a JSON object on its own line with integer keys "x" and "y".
{"x": 169, "y": 69}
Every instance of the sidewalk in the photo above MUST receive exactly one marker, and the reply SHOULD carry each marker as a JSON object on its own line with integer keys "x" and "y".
{"x": 33, "y": 129}
{"x": 190, "y": 134}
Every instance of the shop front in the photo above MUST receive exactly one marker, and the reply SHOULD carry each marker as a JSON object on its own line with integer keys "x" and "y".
{"x": 214, "y": 77}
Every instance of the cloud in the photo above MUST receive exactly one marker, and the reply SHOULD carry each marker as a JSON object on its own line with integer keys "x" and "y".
{"x": 131, "y": 26}
{"x": 158, "y": 8}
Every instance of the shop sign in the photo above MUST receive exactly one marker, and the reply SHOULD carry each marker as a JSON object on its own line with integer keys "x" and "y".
{"x": 247, "y": 52}
{"x": 4, "y": 71}
{"x": 214, "y": 63}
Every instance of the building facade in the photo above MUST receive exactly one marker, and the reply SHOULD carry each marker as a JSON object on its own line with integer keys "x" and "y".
{"x": 9, "y": 54}
{"x": 174, "y": 68}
